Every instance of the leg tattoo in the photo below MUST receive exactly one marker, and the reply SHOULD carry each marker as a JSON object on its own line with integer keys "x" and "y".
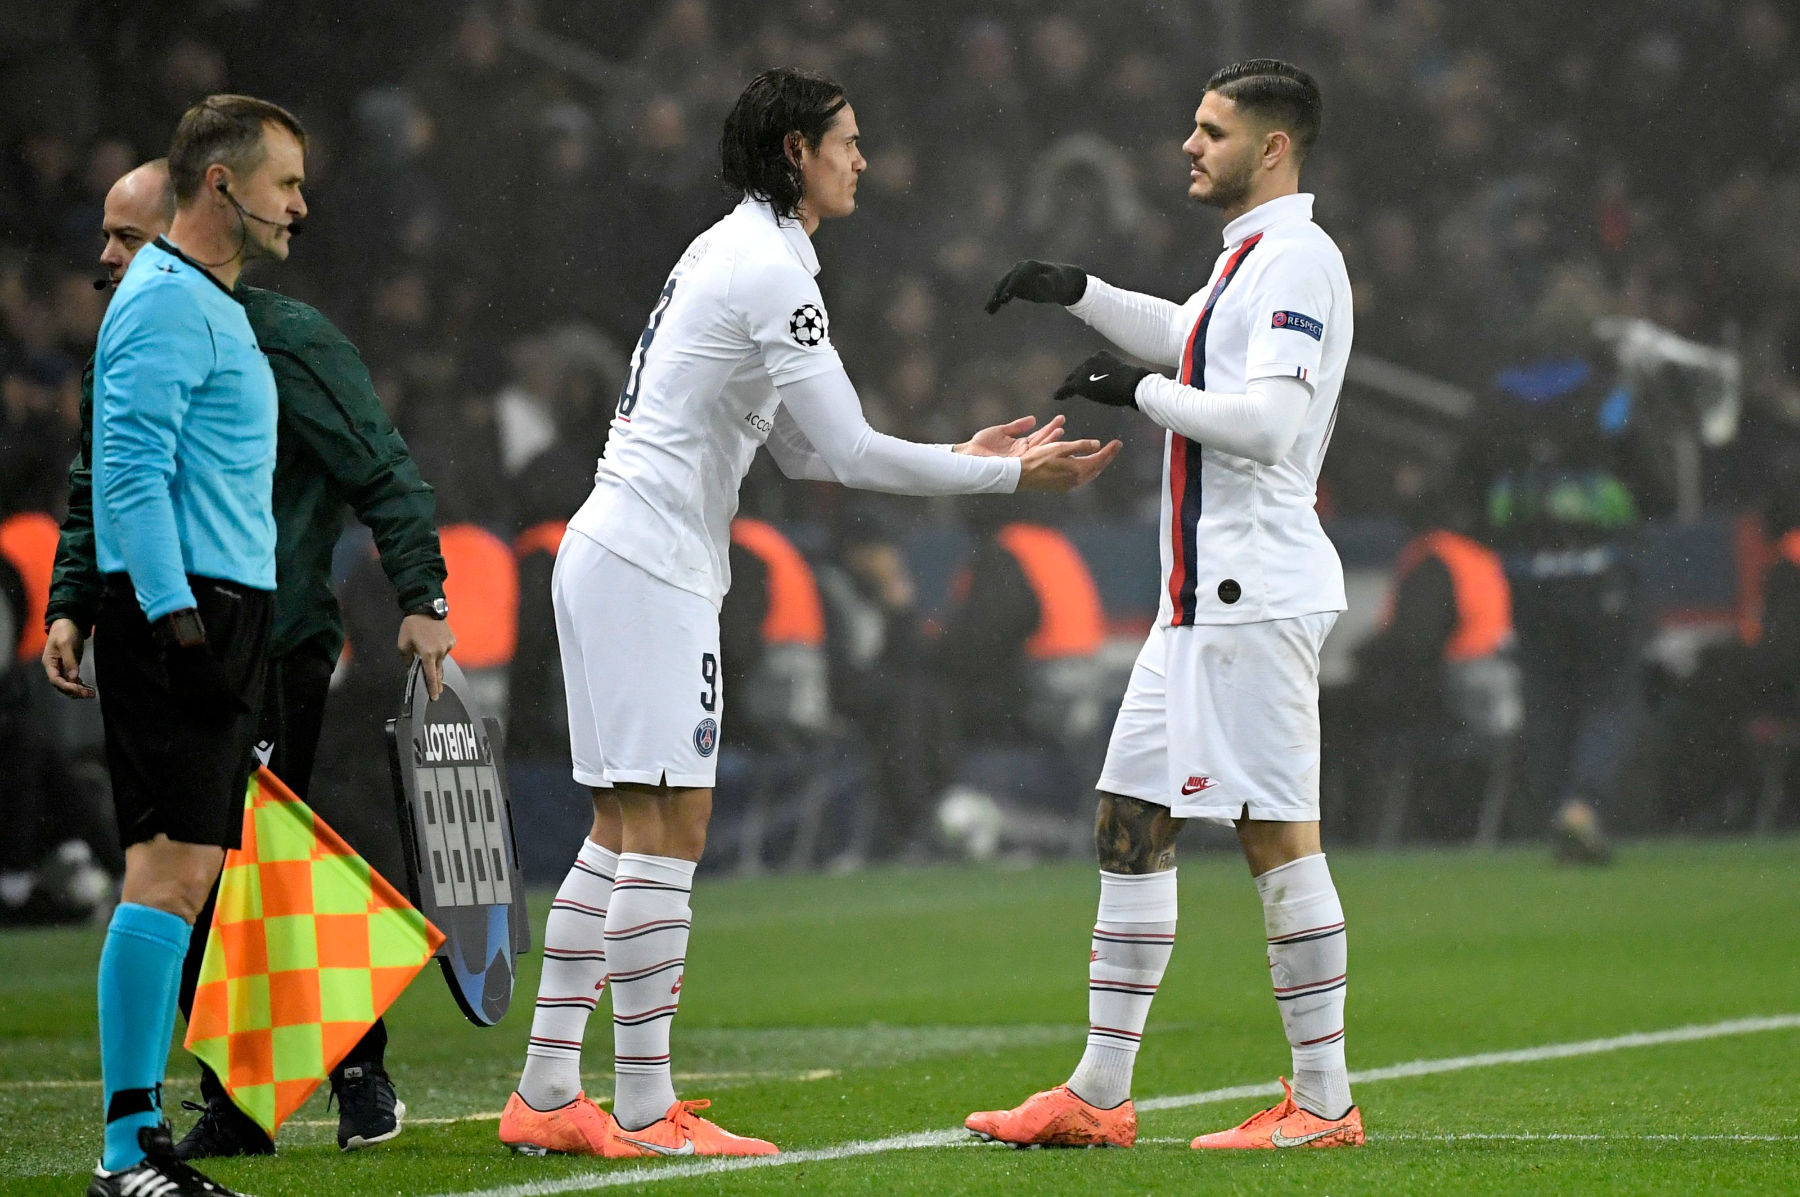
{"x": 1133, "y": 836}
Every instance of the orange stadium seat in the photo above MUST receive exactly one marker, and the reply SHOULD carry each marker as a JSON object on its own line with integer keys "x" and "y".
{"x": 1072, "y": 623}
{"x": 796, "y": 616}
{"x": 483, "y": 591}
{"x": 540, "y": 538}
{"x": 28, "y": 540}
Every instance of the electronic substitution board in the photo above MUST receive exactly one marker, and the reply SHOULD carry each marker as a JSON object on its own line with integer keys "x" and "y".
{"x": 462, "y": 862}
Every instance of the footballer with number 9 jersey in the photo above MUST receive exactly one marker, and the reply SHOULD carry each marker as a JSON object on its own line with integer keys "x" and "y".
{"x": 1221, "y": 718}
{"x": 736, "y": 354}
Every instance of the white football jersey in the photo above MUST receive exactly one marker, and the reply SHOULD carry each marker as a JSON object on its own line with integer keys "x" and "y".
{"x": 1241, "y": 542}
{"x": 740, "y": 313}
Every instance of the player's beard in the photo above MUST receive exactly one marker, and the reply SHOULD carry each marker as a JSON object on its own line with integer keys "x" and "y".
{"x": 1230, "y": 187}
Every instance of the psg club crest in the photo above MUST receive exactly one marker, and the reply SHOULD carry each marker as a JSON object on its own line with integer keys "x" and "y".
{"x": 461, "y": 861}
{"x": 807, "y": 324}
{"x": 706, "y": 737}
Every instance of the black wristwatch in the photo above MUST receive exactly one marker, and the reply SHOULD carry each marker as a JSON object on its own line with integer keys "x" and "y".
{"x": 182, "y": 629}
{"x": 437, "y": 608}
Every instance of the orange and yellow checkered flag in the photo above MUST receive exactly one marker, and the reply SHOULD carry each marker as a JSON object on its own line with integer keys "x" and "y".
{"x": 308, "y": 947}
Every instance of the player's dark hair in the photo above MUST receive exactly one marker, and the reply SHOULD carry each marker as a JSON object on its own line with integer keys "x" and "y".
{"x": 753, "y": 149}
{"x": 225, "y": 129}
{"x": 1277, "y": 92}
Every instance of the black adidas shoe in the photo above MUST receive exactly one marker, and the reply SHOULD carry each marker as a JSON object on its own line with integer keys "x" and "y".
{"x": 368, "y": 1110}
{"x": 160, "y": 1175}
{"x": 223, "y": 1130}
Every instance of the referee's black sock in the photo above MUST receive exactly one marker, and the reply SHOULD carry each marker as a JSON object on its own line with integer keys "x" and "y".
{"x": 369, "y": 1052}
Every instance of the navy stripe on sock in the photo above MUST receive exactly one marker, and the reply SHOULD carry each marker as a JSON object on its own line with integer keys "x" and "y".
{"x": 1281, "y": 943}
{"x": 638, "y": 1020}
{"x": 643, "y": 929}
{"x": 1288, "y": 997}
{"x": 651, "y": 971}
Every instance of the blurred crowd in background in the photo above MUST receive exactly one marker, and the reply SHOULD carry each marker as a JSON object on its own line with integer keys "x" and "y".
{"x": 498, "y": 189}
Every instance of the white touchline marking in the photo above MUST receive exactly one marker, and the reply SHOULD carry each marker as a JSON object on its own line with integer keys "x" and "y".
{"x": 409, "y": 1120}
{"x": 94, "y": 1083}
{"x": 637, "y": 1176}
{"x": 959, "y": 1137}
{"x": 1535, "y": 1137}
{"x": 810, "y": 1074}
{"x": 1523, "y": 1055}
{"x": 1552, "y": 1137}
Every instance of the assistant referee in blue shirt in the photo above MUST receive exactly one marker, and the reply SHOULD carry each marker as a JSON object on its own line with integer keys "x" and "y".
{"x": 183, "y": 464}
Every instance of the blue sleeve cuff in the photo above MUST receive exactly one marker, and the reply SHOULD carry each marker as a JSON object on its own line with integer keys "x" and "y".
{"x": 173, "y": 601}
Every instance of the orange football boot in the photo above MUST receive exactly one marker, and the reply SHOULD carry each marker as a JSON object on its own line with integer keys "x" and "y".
{"x": 579, "y": 1128}
{"x": 683, "y": 1132}
{"x": 1057, "y": 1118}
{"x": 1285, "y": 1124}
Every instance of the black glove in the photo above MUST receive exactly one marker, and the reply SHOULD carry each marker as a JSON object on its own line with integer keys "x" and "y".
{"x": 1040, "y": 282}
{"x": 1104, "y": 378}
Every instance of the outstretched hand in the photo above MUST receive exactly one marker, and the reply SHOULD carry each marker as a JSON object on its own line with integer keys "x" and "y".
{"x": 1011, "y": 440}
{"x": 1065, "y": 465}
{"x": 1039, "y": 282}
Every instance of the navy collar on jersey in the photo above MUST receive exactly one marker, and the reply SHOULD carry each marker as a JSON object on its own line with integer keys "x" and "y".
{"x": 1266, "y": 216}
{"x": 796, "y": 236}
{"x": 209, "y": 276}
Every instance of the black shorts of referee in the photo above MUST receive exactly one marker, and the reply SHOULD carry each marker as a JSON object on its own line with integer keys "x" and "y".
{"x": 181, "y": 723}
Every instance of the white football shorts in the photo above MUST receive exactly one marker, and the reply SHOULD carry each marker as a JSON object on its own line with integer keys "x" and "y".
{"x": 1221, "y": 722}
{"x": 640, "y": 662}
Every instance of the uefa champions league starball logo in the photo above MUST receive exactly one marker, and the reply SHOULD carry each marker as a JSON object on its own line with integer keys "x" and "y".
{"x": 807, "y": 324}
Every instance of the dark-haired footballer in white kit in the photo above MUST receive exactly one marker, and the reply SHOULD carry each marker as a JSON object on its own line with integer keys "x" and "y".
{"x": 736, "y": 354}
{"x": 1221, "y": 718}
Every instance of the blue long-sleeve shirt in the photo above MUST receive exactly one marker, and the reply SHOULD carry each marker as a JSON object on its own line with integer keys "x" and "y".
{"x": 184, "y": 435}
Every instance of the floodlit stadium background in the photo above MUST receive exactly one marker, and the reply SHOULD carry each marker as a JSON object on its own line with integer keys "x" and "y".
{"x": 498, "y": 190}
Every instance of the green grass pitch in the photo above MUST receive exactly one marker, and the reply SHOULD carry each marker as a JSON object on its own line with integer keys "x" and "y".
{"x": 823, "y": 1011}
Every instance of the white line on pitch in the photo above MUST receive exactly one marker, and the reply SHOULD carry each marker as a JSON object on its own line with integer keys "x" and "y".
{"x": 489, "y": 1116}
{"x": 1552, "y": 1137}
{"x": 960, "y": 1137}
{"x": 1524, "y": 1055}
{"x": 1534, "y": 1137}
{"x": 810, "y": 1074}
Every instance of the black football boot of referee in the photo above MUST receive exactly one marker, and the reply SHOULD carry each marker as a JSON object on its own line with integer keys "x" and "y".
{"x": 223, "y": 1130}
{"x": 160, "y": 1175}
{"x": 368, "y": 1110}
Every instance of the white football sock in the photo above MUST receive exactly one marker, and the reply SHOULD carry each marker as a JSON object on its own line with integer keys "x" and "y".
{"x": 1308, "y": 965}
{"x": 1133, "y": 936}
{"x": 646, "y": 947}
{"x": 574, "y": 973}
